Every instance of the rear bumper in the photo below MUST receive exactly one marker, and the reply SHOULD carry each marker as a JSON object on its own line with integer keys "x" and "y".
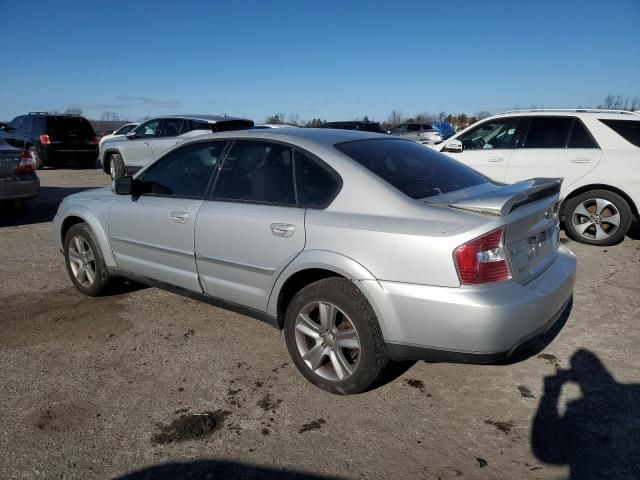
{"x": 73, "y": 157}
{"x": 471, "y": 324}
{"x": 19, "y": 187}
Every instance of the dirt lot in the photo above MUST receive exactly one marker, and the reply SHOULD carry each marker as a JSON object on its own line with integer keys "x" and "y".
{"x": 147, "y": 384}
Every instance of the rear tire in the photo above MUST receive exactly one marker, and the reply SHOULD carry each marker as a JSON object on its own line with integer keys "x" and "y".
{"x": 33, "y": 151}
{"x": 84, "y": 261}
{"x": 597, "y": 217}
{"x": 116, "y": 166}
{"x": 344, "y": 353}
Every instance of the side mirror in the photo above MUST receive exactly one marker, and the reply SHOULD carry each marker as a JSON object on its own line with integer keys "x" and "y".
{"x": 131, "y": 135}
{"x": 123, "y": 185}
{"x": 454, "y": 146}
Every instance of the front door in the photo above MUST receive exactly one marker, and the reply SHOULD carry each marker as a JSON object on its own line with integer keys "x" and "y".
{"x": 137, "y": 150}
{"x": 489, "y": 146}
{"x": 152, "y": 231}
{"x": 251, "y": 228}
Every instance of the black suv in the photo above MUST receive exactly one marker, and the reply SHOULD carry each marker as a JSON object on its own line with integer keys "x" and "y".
{"x": 53, "y": 139}
{"x": 356, "y": 125}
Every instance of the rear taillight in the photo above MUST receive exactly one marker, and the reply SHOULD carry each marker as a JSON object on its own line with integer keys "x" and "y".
{"x": 27, "y": 164}
{"x": 483, "y": 260}
{"x": 44, "y": 139}
{"x": 96, "y": 140}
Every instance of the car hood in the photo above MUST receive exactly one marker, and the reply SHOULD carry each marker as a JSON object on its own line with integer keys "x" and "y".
{"x": 102, "y": 193}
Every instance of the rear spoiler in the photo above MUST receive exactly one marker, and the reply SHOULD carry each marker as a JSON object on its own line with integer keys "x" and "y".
{"x": 503, "y": 200}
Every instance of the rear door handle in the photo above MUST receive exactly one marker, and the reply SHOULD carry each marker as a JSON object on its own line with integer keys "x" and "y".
{"x": 580, "y": 160}
{"x": 147, "y": 142}
{"x": 179, "y": 217}
{"x": 282, "y": 229}
{"x": 495, "y": 159}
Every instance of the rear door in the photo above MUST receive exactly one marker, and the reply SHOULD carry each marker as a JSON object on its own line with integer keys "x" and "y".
{"x": 168, "y": 136}
{"x": 152, "y": 231}
{"x": 251, "y": 227}
{"x": 489, "y": 146}
{"x": 554, "y": 146}
{"x": 136, "y": 149}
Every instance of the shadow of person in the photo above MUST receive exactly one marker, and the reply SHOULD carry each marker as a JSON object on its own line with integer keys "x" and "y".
{"x": 599, "y": 434}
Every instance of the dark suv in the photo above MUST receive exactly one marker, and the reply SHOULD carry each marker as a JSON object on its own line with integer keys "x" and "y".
{"x": 53, "y": 139}
{"x": 356, "y": 125}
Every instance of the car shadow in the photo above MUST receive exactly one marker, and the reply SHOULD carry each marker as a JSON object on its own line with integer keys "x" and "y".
{"x": 41, "y": 209}
{"x": 598, "y": 435}
{"x": 216, "y": 469}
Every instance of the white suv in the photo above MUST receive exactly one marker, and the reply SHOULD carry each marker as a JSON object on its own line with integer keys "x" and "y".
{"x": 596, "y": 151}
{"x": 126, "y": 154}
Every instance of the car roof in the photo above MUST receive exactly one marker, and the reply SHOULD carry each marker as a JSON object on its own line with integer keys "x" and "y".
{"x": 577, "y": 112}
{"x": 205, "y": 118}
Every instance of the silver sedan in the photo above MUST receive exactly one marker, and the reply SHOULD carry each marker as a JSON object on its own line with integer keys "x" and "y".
{"x": 364, "y": 248}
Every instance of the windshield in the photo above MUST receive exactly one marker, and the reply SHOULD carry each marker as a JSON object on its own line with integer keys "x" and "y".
{"x": 415, "y": 170}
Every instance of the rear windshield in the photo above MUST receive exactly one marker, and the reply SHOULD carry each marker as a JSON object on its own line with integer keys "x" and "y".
{"x": 628, "y": 129}
{"x": 69, "y": 126}
{"x": 415, "y": 170}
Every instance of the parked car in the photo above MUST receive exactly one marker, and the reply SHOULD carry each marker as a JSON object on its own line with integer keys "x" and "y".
{"x": 356, "y": 125}
{"x": 363, "y": 247}
{"x": 596, "y": 151}
{"x": 127, "y": 154}
{"x": 123, "y": 130}
{"x": 53, "y": 139}
{"x": 423, "y": 133}
{"x": 18, "y": 179}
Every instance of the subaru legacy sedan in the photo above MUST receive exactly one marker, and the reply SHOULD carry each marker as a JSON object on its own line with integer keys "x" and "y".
{"x": 364, "y": 248}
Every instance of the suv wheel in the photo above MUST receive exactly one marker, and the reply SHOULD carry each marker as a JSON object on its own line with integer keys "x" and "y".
{"x": 36, "y": 158}
{"x": 333, "y": 336}
{"x": 116, "y": 166}
{"x": 597, "y": 217}
{"x": 84, "y": 260}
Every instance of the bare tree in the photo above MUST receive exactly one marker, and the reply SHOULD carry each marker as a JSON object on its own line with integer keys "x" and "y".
{"x": 394, "y": 118}
{"x": 294, "y": 119}
{"x": 73, "y": 111}
{"x": 482, "y": 114}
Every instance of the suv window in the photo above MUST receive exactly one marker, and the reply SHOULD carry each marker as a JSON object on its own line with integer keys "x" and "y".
{"x": 399, "y": 129}
{"x": 61, "y": 126}
{"x": 171, "y": 127}
{"x": 416, "y": 171}
{"x": 16, "y": 123}
{"x": 148, "y": 129}
{"x": 198, "y": 125}
{"x": 315, "y": 185}
{"x": 580, "y": 136}
{"x": 548, "y": 132}
{"x": 183, "y": 173}
{"x": 255, "y": 171}
{"x": 499, "y": 133}
{"x": 413, "y": 127}
{"x": 627, "y": 129}
{"x": 27, "y": 124}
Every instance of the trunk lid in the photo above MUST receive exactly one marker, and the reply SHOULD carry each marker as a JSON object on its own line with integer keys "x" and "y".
{"x": 530, "y": 210}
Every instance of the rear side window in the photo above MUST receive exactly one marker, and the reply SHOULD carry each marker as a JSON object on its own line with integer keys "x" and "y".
{"x": 61, "y": 126}
{"x": 627, "y": 129}
{"x": 171, "y": 127}
{"x": 416, "y": 171}
{"x": 580, "y": 137}
{"x": 315, "y": 185}
{"x": 548, "y": 132}
{"x": 413, "y": 128}
{"x": 197, "y": 125}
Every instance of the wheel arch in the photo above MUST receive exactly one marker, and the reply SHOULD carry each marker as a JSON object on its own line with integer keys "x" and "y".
{"x": 84, "y": 215}
{"x": 106, "y": 158}
{"x": 601, "y": 186}
{"x": 311, "y": 266}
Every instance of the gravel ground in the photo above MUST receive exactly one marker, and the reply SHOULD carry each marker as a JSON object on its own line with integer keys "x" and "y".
{"x": 148, "y": 384}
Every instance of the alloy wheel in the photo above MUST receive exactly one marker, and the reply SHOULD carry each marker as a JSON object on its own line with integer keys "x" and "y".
{"x": 82, "y": 261}
{"x": 327, "y": 341}
{"x": 596, "y": 219}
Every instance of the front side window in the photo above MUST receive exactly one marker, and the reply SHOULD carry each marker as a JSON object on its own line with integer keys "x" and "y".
{"x": 548, "y": 132}
{"x": 416, "y": 171}
{"x": 171, "y": 127}
{"x": 257, "y": 172}
{"x": 315, "y": 185}
{"x": 148, "y": 130}
{"x": 183, "y": 173}
{"x": 627, "y": 129}
{"x": 496, "y": 134}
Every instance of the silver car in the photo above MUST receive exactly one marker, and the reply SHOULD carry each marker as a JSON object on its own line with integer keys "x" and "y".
{"x": 126, "y": 154}
{"x": 363, "y": 247}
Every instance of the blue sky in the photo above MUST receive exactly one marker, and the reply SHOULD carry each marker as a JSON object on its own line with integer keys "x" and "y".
{"x": 329, "y": 59}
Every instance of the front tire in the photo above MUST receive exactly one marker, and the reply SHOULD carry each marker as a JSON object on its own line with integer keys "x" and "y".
{"x": 597, "y": 217}
{"x": 33, "y": 151}
{"x": 334, "y": 338}
{"x": 84, "y": 261}
{"x": 116, "y": 166}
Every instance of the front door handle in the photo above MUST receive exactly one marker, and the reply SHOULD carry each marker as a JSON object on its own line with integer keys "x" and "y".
{"x": 179, "y": 217}
{"x": 580, "y": 160}
{"x": 147, "y": 142}
{"x": 496, "y": 159}
{"x": 282, "y": 229}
